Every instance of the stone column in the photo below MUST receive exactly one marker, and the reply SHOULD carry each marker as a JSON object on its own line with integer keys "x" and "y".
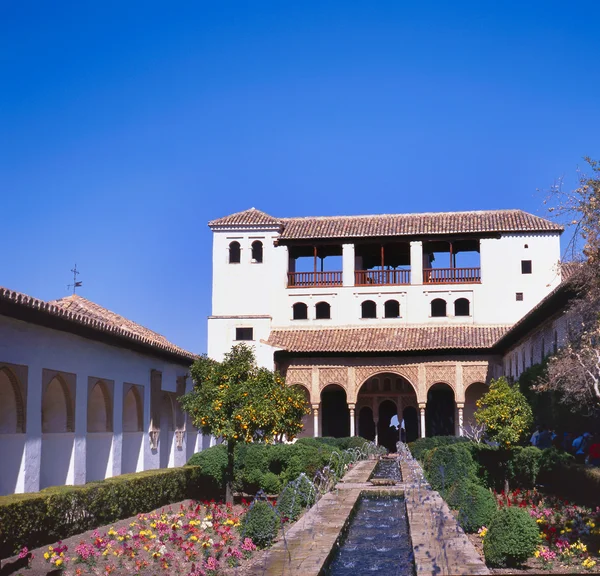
{"x": 315, "y": 409}
{"x": 352, "y": 423}
{"x": 348, "y": 264}
{"x": 376, "y": 420}
{"x": 461, "y": 431}
{"x": 80, "y": 446}
{"x": 422, "y": 411}
{"x": 416, "y": 262}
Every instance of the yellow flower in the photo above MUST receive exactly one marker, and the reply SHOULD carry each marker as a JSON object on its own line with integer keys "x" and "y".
{"x": 58, "y": 562}
{"x": 46, "y": 555}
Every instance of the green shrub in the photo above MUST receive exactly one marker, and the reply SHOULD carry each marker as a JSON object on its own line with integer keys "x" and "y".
{"x": 270, "y": 483}
{"x": 446, "y": 465}
{"x": 476, "y": 508}
{"x": 37, "y": 519}
{"x": 511, "y": 539}
{"x": 525, "y": 466}
{"x": 289, "y": 505}
{"x": 261, "y": 524}
{"x": 212, "y": 463}
{"x": 422, "y": 445}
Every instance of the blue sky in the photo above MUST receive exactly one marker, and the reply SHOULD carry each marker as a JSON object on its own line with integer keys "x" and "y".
{"x": 126, "y": 126}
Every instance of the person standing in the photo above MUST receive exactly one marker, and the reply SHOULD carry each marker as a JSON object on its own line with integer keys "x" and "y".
{"x": 580, "y": 446}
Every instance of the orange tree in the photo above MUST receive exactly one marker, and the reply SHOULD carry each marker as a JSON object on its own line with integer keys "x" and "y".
{"x": 241, "y": 403}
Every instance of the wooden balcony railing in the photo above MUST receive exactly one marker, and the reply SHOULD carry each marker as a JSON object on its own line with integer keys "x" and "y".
{"x": 381, "y": 277}
{"x": 451, "y": 275}
{"x": 309, "y": 279}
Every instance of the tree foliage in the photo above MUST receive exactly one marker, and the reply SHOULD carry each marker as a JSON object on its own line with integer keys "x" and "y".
{"x": 505, "y": 413}
{"x": 575, "y": 370}
{"x": 239, "y": 402}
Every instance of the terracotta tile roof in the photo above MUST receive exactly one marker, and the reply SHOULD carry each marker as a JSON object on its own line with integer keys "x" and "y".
{"x": 250, "y": 217}
{"x": 81, "y": 311}
{"x": 431, "y": 223}
{"x": 415, "y": 224}
{"x": 373, "y": 339}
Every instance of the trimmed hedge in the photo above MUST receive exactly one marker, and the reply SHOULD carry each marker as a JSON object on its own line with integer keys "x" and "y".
{"x": 422, "y": 445}
{"x": 40, "y": 518}
{"x": 260, "y": 523}
{"x": 512, "y": 538}
{"x": 476, "y": 505}
{"x": 446, "y": 465}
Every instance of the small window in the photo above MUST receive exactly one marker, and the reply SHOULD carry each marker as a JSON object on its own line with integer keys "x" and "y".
{"x": 519, "y": 296}
{"x": 300, "y": 311}
{"x": 462, "y": 307}
{"x": 235, "y": 253}
{"x": 438, "y": 308}
{"x": 244, "y": 334}
{"x": 257, "y": 252}
{"x": 392, "y": 309}
{"x": 525, "y": 266}
{"x": 526, "y": 246}
{"x": 323, "y": 311}
{"x": 368, "y": 309}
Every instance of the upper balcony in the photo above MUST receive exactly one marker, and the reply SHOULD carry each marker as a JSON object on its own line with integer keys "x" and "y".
{"x": 389, "y": 264}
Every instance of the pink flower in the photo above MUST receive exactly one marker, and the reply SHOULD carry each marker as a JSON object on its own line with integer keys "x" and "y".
{"x": 23, "y": 553}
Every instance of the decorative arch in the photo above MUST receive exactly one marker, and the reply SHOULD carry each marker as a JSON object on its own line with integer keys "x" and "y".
{"x": 167, "y": 413}
{"x": 440, "y": 410}
{"x": 58, "y": 413}
{"x": 473, "y": 392}
{"x": 12, "y": 403}
{"x": 335, "y": 414}
{"x": 307, "y": 419}
{"x": 99, "y": 408}
{"x": 133, "y": 411}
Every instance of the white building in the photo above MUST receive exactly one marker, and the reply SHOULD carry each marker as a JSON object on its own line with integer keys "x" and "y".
{"x": 376, "y": 315}
{"x": 86, "y": 394}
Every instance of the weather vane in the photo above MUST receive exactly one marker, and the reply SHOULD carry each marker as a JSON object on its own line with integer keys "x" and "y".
{"x": 75, "y": 284}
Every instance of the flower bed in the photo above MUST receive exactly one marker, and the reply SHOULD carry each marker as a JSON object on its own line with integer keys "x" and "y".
{"x": 569, "y": 534}
{"x": 192, "y": 540}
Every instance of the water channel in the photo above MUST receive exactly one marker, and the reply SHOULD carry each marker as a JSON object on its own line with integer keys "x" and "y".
{"x": 377, "y": 540}
{"x": 387, "y": 469}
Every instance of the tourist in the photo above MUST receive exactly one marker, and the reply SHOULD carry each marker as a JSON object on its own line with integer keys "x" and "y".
{"x": 535, "y": 435}
{"x": 581, "y": 445}
{"x": 594, "y": 453}
{"x": 544, "y": 438}
{"x": 567, "y": 442}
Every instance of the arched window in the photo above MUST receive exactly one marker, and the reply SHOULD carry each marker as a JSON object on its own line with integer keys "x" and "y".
{"x": 323, "y": 311}
{"x": 257, "y": 251}
{"x": 462, "y": 307}
{"x": 133, "y": 411}
{"x": 57, "y": 407}
{"x": 12, "y": 409}
{"x": 392, "y": 309}
{"x": 235, "y": 253}
{"x": 99, "y": 409}
{"x": 368, "y": 309}
{"x": 438, "y": 308}
{"x": 300, "y": 311}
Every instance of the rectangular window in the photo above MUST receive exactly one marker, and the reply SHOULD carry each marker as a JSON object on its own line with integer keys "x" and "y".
{"x": 525, "y": 266}
{"x": 244, "y": 334}
{"x": 519, "y": 296}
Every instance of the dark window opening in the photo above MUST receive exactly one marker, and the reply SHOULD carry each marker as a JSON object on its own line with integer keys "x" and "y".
{"x": 392, "y": 309}
{"x": 368, "y": 309}
{"x": 323, "y": 311}
{"x": 257, "y": 252}
{"x": 300, "y": 311}
{"x": 462, "y": 307}
{"x": 235, "y": 253}
{"x": 519, "y": 296}
{"x": 525, "y": 266}
{"x": 438, "y": 308}
{"x": 526, "y": 245}
{"x": 244, "y": 334}
{"x": 386, "y": 264}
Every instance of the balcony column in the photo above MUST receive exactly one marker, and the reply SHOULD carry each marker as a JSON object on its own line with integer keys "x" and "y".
{"x": 416, "y": 262}
{"x": 422, "y": 411}
{"x": 348, "y": 264}
{"x": 461, "y": 430}
{"x": 351, "y": 408}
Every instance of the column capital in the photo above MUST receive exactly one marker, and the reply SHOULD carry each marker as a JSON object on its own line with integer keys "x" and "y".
{"x": 460, "y": 405}
{"x": 422, "y": 405}
{"x": 351, "y": 406}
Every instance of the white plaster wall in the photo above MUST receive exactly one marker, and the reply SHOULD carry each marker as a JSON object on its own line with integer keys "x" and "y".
{"x": 132, "y": 454}
{"x": 99, "y": 463}
{"x": 12, "y": 461}
{"x": 53, "y": 459}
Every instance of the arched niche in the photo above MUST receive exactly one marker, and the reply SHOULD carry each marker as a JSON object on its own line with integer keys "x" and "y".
{"x": 473, "y": 393}
{"x": 57, "y": 407}
{"x": 12, "y": 403}
{"x": 335, "y": 415}
{"x": 133, "y": 411}
{"x": 99, "y": 410}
